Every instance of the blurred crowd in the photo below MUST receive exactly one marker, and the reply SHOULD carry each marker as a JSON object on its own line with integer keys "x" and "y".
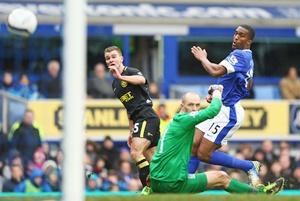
{"x": 40, "y": 170}
{"x": 49, "y": 84}
{"x": 112, "y": 166}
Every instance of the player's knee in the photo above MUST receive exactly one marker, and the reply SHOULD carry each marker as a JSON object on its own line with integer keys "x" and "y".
{"x": 135, "y": 154}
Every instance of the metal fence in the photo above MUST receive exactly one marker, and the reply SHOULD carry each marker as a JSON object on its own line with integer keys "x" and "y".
{"x": 12, "y": 109}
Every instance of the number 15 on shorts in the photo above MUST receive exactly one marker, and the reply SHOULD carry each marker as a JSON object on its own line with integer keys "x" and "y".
{"x": 214, "y": 128}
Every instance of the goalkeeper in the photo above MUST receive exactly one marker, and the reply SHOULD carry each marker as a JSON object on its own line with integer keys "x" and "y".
{"x": 168, "y": 168}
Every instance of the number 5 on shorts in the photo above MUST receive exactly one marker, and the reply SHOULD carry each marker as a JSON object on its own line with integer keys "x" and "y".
{"x": 136, "y": 128}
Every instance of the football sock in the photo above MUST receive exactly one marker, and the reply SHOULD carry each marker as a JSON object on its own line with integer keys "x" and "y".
{"x": 224, "y": 159}
{"x": 193, "y": 164}
{"x": 238, "y": 187}
{"x": 143, "y": 166}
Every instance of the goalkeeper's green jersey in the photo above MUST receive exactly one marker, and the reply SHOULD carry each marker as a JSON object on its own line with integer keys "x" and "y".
{"x": 170, "y": 160}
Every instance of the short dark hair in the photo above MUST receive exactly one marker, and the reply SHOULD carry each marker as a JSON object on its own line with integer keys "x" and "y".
{"x": 250, "y": 30}
{"x": 112, "y": 48}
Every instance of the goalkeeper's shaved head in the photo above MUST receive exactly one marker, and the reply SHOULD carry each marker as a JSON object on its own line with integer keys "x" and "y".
{"x": 190, "y": 102}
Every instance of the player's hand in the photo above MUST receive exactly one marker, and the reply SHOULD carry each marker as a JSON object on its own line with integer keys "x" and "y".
{"x": 215, "y": 91}
{"x": 208, "y": 98}
{"x": 214, "y": 87}
{"x": 114, "y": 71}
{"x": 199, "y": 53}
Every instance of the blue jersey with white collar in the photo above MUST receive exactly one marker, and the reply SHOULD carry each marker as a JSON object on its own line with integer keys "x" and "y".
{"x": 239, "y": 65}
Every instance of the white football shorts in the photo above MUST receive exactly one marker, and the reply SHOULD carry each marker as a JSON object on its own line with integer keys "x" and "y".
{"x": 221, "y": 127}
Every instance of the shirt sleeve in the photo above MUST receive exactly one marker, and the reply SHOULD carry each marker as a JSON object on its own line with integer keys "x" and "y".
{"x": 194, "y": 118}
{"x": 135, "y": 71}
{"x": 235, "y": 61}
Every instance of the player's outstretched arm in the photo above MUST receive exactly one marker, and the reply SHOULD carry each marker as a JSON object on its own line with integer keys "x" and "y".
{"x": 213, "y": 69}
{"x": 194, "y": 118}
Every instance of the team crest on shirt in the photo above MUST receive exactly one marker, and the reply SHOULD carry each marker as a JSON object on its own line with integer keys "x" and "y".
{"x": 232, "y": 60}
{"x": 124, "y": 84}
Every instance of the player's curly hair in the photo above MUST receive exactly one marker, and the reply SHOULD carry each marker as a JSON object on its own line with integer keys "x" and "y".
{"x": 250, "y": 29}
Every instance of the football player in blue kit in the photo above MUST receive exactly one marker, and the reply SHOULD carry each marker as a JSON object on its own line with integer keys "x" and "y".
{"x": 235, "y": 73}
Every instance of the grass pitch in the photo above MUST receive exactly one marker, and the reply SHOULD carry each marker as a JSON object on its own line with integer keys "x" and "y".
{"x": 188, "y": 197}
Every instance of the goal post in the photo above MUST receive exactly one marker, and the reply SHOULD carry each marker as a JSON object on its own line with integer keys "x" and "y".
{"x": 74, "y": 87}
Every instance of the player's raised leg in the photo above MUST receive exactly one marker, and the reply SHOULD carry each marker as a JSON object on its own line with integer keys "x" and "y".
{"x": 220, "y": 179}
{"x": 207, "y": 152}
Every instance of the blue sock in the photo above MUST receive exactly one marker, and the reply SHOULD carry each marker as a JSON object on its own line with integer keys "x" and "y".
{"x": 224, "y": 159}
{"x": 193, "y": 164}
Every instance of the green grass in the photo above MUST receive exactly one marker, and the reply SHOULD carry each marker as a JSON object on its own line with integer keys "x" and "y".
{"x": 165, "y": 197}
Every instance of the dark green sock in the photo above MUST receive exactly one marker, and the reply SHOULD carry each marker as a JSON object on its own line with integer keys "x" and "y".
{"x": 238, "y": 187}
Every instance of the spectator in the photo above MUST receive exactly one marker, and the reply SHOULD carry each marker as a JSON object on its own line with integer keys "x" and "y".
{"x": 246, "y": 150}
{"x": 286, "y": 152}
{"x": 290, "y": 84}
{"x": 99, "y": 168}
{"x": 51, "y": 84}
{"x": 125, "y": 155}
{"x": 16, "y": 159}
{"x": 25, "y": 136}
{"x": 25, "y": 89}
{"x": 154, "y": 90}
{"x": 54, "y": 181}
{"x": 34, "y": 184}
{"x": 59, "y": 159}
{"x": 98, "y": 85}
{"x": 46, "y": 150}
{"x": 114, "y": 188}
{"x": 263, "y": 173}
{"x": 286, "y": 166}
{"x": 284, "y": 145}
{"x": 238, "y": 175}
{"x": 125, "y": 171}
{"x": 163, "y": 115}
{"x": 94, "y": 183}
{"x": 267, "y": 148}
{"x": 295, "y": 179}
{"x": 134, "y": 185}
{"x": 112, "y": 182}
{"x": 52, "y": 175}
{"x": 17, "y": 176}
{"x": 259, "y": 155}
{"x": 7, "y": 81}
{"x": 38, "y": 160}
{"x": 91, "y": 150}
{"x": 275, "y": 172}
{"x": 110, "y": 153}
